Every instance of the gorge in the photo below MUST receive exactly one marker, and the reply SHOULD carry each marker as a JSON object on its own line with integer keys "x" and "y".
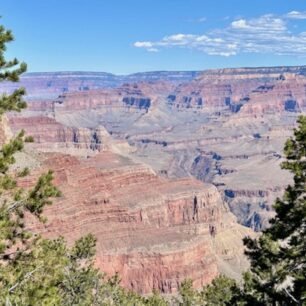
{"x": 169, "y": 170}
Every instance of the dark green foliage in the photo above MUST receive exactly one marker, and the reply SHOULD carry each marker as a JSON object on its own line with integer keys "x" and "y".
{"x": 156, "y": 300}
{"x": 8, "y": 150}
{"x": 10, "y": 71}
{"x": 278, "y": 257}
{"x": 223, "y": 291}
{"x": 24, "y": 172}
{"x": 84, "y": 248}
{"x": 50, "y": 274}
{"x": 40, "y": 195}
{"x": 12, "y": 102}
{"x": 188, "y": 295}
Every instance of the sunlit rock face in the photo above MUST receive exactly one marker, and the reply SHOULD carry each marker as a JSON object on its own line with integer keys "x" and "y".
{"x": 231, "y": 88}
{"x": 153, "y": 231}
{"x": 179, "y": 125}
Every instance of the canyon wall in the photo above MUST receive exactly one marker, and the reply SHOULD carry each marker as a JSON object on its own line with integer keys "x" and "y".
{"x": 155, "y": 166}
{"x": 224, "y": 126}
{"x": 153, "y": 231}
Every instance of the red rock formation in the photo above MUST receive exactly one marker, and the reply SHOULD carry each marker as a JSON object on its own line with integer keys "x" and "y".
{"x": 48, "y": 132}
{"x": 150, "y": 230}
{"x": 261, "y": 89}
{"x": 45, "y": 106}
{"x": 219, "y": 88}
{"x": 244, "y": 115}
{"x": 132, "y": 96}
{"x": 286, "y": 94}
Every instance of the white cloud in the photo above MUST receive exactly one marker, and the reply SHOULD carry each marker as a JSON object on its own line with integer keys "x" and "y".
{"x": 178, "y": 37}
{"x": 239, "y": 24}
{"x": 296, "y": 15}
{"x": 265, "y": 34}
{"x": 143, "y": 44}
{"x": 267, "y": 23}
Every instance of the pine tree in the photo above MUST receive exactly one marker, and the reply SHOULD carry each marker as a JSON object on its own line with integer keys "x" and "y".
{"x": 223, "y": 291}
{"x": 278, "y": 257}
{"x": 16, "y": 243}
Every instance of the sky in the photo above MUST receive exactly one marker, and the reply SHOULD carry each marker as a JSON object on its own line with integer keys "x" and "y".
{"x": 127, "y": 36}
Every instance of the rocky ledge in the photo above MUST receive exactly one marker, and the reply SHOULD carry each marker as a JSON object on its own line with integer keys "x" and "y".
{"x": 153, "y": 231}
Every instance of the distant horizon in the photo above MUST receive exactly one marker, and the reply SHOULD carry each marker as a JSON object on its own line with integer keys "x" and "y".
{"x": 161, "y": 71}
{"x": 126, "y": 37}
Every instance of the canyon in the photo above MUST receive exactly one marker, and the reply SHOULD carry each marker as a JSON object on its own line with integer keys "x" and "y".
{"x": 169, "y": 170}
{"x": 153, "y": 231}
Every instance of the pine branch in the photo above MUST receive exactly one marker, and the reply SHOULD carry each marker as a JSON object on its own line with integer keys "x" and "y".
{"x": 26, "y": 277}
{"x": 291, "y": 296}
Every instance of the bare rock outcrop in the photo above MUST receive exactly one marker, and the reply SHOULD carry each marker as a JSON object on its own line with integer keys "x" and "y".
{"x": 275, "y": 89}
{"x": 242, "y": 115}
{"x": 287, "y": 94}
{"x": 153, "y": 231}
{"x": 48, "y": 133}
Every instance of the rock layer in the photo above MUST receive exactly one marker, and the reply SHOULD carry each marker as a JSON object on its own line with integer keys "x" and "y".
{"x": 51, "y": 84}
{"x": 243, "y": 116}
{"x": 153, "y": 231}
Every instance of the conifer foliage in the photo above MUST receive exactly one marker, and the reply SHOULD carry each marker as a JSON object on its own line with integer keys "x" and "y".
{"x": 18, "y": 246}
{"x": 278, "y": 257}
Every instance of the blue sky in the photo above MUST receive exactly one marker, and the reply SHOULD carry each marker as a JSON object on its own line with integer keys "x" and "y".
{"x": 125, "y": 36}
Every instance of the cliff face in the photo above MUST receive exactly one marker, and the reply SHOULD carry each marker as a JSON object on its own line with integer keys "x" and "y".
{"x": 226, "y": 127}
{"x": 287, "y": 94}
{"x": 48, "y": 133}
{"x": 133, "y": 96}
{"x": 154, "y": 232}
{"x": 243, "y": 88}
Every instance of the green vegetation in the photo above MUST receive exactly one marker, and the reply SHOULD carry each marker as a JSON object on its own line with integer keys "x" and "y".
{"x": 278, "y": 257}
{"x": 38, "y": 271}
